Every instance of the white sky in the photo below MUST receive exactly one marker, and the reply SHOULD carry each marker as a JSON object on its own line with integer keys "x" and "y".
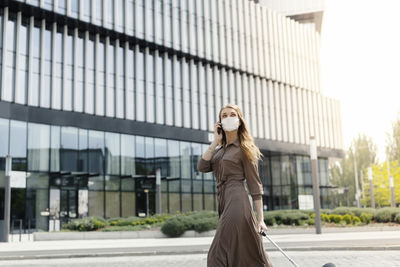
{"x": 360, "y": 59}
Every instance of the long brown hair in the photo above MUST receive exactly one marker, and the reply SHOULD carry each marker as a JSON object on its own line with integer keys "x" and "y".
{"x": 247, "y": 145}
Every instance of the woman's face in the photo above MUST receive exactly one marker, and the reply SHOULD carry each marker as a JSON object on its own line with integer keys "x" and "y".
{"x": 229, "y": 112}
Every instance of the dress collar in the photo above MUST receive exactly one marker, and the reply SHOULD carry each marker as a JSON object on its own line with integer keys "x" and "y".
{"x": 236, "y": 142}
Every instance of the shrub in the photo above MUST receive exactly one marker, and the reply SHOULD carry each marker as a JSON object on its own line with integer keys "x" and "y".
{"x": 198, "y": 221}
{"x": 366, "y": 217}
{"x": 309, "y": 221}
{"x": 383, "y": 215}
{"x": 269, "y": 219}
{"x": 86, "y": 224}
{"x": 205, "y": 224}
{"x": 335, "y": 218}
{"x": 347, "y": 218}
{"x": 356, "y": 220}
{"x": 173, "y": 227}
{"x": 324, "y": 217}
{"x": 397, "y": 218}
{"x": 287, "y": 217}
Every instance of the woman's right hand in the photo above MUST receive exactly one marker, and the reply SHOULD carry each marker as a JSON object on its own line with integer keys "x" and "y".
{"x": 217, "y": 137}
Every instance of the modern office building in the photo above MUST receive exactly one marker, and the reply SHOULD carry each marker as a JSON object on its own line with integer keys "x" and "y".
{"x": 95, "y": 95}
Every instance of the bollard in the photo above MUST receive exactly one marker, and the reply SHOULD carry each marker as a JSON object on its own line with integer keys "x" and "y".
{"x": 20, "y": 230}
{"x": 12, "y": 230}
{"x": 29, "y": 229}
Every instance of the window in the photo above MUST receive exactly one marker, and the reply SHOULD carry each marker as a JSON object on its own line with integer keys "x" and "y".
{"x": 160, "y": 89}
{"x": 161, "y": 155}
{"x": 100, "y": 78}
{"x": 169, "y": 99}
{"x": 79, "y": 79}
{"x": 130, "y": 16}
{"x": 185, "y": 26}
{"x": 167, "y": 13}
{"x": 58, "y": 68}
{"x": 112, "y": 149}
{"x": 121, "y": 83}
{"x": 61, "y": 6}
{"x": 177, "y": 72}
{"x": 130, "y": 87}
{"x": 149, "y": 20}
{"x": 158, "y": 26}
{"x": 98, "y": 13}
{"x": 203, "y": 97}
{"x": 34, "y": 83}
{"x": 22, "y": 66}
{"x": 38, "y": 147}
{"x": 192, "y": 34}
{"x": 69, "y": 75}
{"x": 127, "y": 154}
{"x": 9, "y": 83}
{"x": 47, "y": 61}
{"x": 174, "y": 159}
{"x": 224, "y": 86}
{"x": 195, "y": 95}
{"x": 74, "y": 8}
{"x": 185, "y": 152}
{"x": 139, "y": 12}
{"x": 217, "y": 88}
{"x": 150, "y": 87}
{"x": 48, "y": 4}
{"x": 120, "y": 15}
{"x": 69, "y": 149}
{"x": 210, "y": 98}
{"x": 140, "y": 86}
{"x": 186, "y": 94}
{"x": 149, "y": 155}
{"x": 86, "y": 10}
{"x": 110, "y": 91}
{"x": 89, "y": 90}
{"x": 18, "y": 131}
{"x": 110, "y": 13}
{"x": 96, "y": 151}
{"x": 176, "y": 31}
{"x": 4, "y": 139}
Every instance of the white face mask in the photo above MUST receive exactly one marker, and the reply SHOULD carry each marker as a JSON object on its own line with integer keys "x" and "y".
{"x": 230, "y": 123}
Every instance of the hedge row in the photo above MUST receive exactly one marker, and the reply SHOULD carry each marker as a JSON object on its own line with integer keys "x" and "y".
{"x": 95, "y": 223}
{"x": 200, "y": 221}
{"x": 338, "y": 215}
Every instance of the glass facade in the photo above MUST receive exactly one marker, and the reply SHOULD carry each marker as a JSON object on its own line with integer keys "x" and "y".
{"x": 165, "y": 64}
{"x": 115, "y": 168}
{"x": 55, "y": 66}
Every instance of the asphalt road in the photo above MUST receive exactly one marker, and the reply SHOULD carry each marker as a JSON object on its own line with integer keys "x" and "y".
{"x": 304, "y": 258}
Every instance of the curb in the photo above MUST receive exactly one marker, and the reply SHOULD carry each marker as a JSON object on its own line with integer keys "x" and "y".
{"x": 201, "y": 251}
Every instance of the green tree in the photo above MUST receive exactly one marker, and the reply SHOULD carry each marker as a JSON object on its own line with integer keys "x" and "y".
{"x": 362, "y": 151}
{"x": 393, "y": 141}
{"x": 381, "y": 184}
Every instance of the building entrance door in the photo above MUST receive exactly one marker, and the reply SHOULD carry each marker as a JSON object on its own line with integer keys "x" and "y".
{"x": 68, "y": 205}
{"x": 69, "y": 200}
{"x": 145, "y": 201}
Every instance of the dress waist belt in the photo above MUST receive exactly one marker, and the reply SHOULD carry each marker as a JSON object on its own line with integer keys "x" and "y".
{"x": 221, "y": 189}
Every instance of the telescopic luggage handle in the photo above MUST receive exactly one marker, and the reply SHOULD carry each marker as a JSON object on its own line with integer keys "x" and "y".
{"x": 270, "y": 240}
{"x": 292, "y": 261}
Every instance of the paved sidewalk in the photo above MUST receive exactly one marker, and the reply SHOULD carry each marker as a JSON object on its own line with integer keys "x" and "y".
{"x": 380, "y": 240}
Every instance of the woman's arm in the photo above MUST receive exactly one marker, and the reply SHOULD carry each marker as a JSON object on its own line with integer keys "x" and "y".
{"x": 258, "y": 203}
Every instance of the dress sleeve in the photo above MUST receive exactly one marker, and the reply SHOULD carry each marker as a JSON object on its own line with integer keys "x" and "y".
{"x": 205, "y": 165}
{"x": 253, "y": 180}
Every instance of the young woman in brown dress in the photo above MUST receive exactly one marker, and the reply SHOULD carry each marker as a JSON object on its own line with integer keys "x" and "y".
{"x": 237, "y": 241}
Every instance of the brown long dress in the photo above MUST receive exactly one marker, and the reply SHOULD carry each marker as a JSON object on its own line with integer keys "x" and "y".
{"x": 237, "y": 242}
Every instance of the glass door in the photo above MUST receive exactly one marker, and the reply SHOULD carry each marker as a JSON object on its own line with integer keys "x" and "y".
{"x": 68, "y": 205}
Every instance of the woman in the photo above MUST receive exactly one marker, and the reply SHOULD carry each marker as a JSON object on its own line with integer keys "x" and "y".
{"x": 237, "y": 241}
